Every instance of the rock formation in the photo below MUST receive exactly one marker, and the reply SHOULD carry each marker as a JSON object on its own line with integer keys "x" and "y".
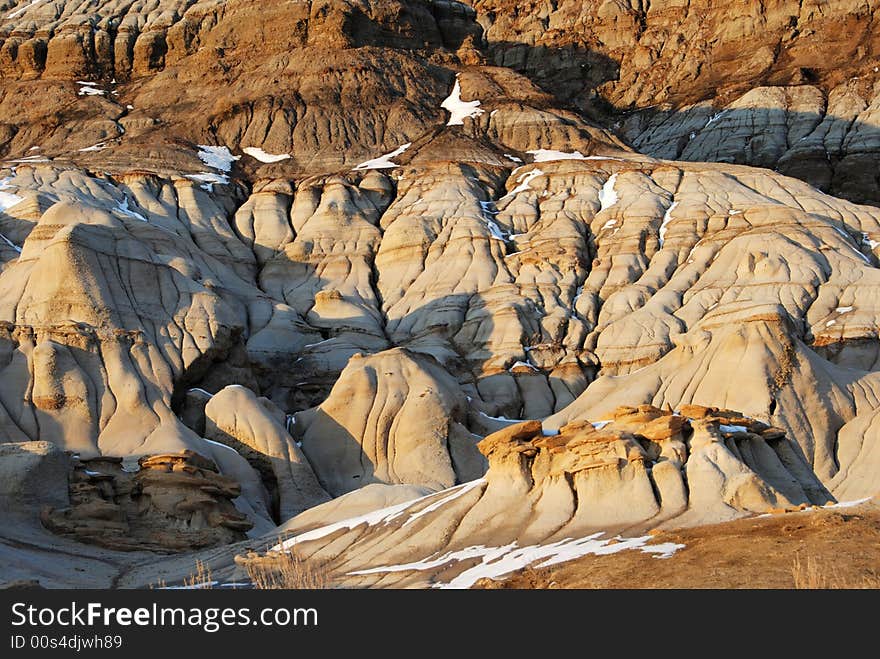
{"x": 393, "y": 418}
{"x": 787, "y": 85}
{"x": 405, "y": 254}
{"x": 548, "y": 494}
{"x": 255, "y": 428}
{"x": 172, "y": 502}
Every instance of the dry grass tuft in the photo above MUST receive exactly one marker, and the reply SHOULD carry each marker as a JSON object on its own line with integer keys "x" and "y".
{"x": 286, "y": 570}
{"x": 808, "y": 574}
{"x": 201, "y": 578}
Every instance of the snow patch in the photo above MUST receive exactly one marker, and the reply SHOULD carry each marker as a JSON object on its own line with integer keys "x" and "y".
{"x": 489, "y": 212}
{"x": 843, "y": 309}
{"x": 217, "y": 157}
{"x": 524, "y": 182}
{"x": 608, "y": 195}
{"x": 198, "y": 586}
{"x": 208, "y": 180}
{"x": 458, "y": 109}
{"x": 373, "y": 518}
{"x": 100, "y": 146}
{"x": 849, "y": 504}
{"x": 547, "y": 155}
{"x": 667, "y": 218}
{"x": 27, "y": 160}
{"x": 312, "y": 345}
{"x": 715, "y": 117}
{"x": 521, "y": 363}
{"x": 724, "y": 428}
{"x": 502, "y": 418}
{"x": 8, "y": 200}
{"x": 512, "y": 158}
{"x": 264, "y": 157}
{"x": 123, "y": 208}
{"x": 89, "y": 89}
{"x": 384, "y": 162}
{"x": 18, "y": 12}
{"x": 455, "y": 493}
{"x": 500, "y": 561}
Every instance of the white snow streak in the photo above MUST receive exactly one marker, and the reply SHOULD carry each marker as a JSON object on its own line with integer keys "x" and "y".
{"x": 499, "y": 561}
{"x": 384, "y": 162}
{"x": 18, "y": 12}
{"x": 502, "y": 418}
{"x": 264, "y": 157}
{"x": 608, "y": 195}
{"x": 89, "y": 89}
{"x": 489, "y": 213}
{"x": 197, "y": 586}
{"x": 458, "y": 109}
{"x": 7, "y": 201}
{"x": 724, "y": 428}
{"x": 10, "y": 243}
{"x": 715, "y": 117}
{"x": 228, "y": 448}
{"x": 524, "y": 182}
{"x": 667, "y": 218}
{"x": 207, "y": 393}
{"x": 520, "y": 364}
{"x": 100, "y": 146}
{"x": 217, "y": 157}
{"x": 849, "y": 504}
{"x": 123, "y": 208}
{"x": 373, "y": 518}
{"x": 547, "y": 155}
{"x": 455, "y": 494}
{"x": 848, "y": 237}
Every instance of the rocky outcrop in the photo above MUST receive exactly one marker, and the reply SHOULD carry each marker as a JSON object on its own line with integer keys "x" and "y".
{"x": 830, "y": 140}
{"x": 392, "y": 418}
{"x": 639, "y": 55}
{"x": 547, "y": 496}
{"x": 595, "y": 279}
{"x": 167, "y": 503}
{"x": 382, "y": 245}
{"x": 256, "y": 429}
{"x": 126, "y": 85}
{"x": 787, "y": 85}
